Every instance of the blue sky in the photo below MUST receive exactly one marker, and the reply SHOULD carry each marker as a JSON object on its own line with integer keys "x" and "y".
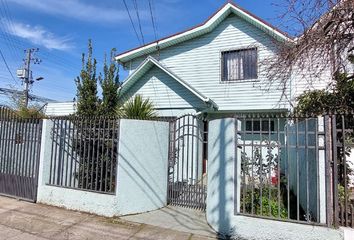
{"x": 61, "y": 28}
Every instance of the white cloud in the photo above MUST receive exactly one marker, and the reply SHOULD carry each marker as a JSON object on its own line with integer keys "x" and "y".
{"x": 39, "y": 36}
{"x": 78, "y": 9}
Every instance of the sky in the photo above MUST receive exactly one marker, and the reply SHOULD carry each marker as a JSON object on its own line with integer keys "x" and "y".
{"x": 61, "y": 29}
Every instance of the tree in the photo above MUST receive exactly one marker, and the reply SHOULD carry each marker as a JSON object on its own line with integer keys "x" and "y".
{"x": 87, "y": 102}
{"x": 139, "y": 108}
{"x": 110, "y": 85}
{"x": 324, "y": 30}
{"x": 33, "y": 110}
{"x": 339, "y": 98}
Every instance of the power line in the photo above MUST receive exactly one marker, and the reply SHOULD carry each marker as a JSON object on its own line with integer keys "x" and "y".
{"x": 131, "y": 21}
{"x": 8, "y": 27}
{"x": 138, "y": 17}
{"x": 7, "y": 66}
{"x": 33, "y": 97}
{"x": 153, "y": 20}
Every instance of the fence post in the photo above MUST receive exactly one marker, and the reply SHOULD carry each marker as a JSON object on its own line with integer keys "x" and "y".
{"x": 328, "y": 156}
{"x": 321, "y": 148}
{"x": 335, "y": 171}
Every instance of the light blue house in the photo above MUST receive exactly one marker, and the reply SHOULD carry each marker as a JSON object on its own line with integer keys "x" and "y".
{"x": 211, "y": 72}
{"x": 217, "y": 66}
{"x": 215, "y": 70}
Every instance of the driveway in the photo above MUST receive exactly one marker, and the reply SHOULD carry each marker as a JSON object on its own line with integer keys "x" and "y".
{"x": 22, "y": 220}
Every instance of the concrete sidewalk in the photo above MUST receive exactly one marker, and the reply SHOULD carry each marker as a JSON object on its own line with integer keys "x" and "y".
{"x": 176, "y": 218}
{"x": 23, "y": 220}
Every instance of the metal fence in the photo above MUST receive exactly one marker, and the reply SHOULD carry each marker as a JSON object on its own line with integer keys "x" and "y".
{"x": 296, "y": 168}
{"x": 342, "y": 167}
{"x": 84, "y": 153}
{"x": 19, "y": 155}
{"x": 186, "y": 173}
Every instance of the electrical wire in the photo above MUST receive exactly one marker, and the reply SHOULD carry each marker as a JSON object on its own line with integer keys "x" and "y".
{"x": 138, "y": 18}
{"x": 7, "y": 66}
{"x": 131, "y": 21}
{"x": 153, "y": 20}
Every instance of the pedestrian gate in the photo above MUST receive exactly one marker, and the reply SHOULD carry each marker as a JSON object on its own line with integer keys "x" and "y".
{"x": 187, "y": 162}
{"x": 19, "y": 155}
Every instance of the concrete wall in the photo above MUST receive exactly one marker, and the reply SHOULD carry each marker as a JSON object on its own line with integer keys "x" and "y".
{"x": 224, "y": 191}
{"x": 142, "y": 166}
{"x": 141, "y": 178}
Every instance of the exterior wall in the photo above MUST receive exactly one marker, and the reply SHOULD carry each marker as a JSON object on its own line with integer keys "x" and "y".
{"x": 222, "y": 192}
{"x": 101, "y": 204}
{"x": 60, "y": 109}
{"x": 197, "y": 62}
{"x": 142, "y": 166}
{"x": 141, "y": 178}
{"x": 164, "y": 91}
{"x": 307, "y": 78}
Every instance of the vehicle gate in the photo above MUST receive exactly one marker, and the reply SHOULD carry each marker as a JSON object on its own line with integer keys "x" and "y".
{"x": 19, "y": 155}
{"x": 187, "y": 162}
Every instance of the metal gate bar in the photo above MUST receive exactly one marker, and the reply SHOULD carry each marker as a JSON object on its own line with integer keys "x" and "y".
{"x": 186, "y": 180}
{"x": 19, "y": 155}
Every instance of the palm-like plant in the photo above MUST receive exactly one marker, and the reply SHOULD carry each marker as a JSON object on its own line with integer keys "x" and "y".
{"x": 138, "y": 108}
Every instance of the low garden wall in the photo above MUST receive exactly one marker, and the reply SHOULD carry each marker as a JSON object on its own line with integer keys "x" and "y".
{"x": 223, "y": 200}
{"x": 141, "y": 175}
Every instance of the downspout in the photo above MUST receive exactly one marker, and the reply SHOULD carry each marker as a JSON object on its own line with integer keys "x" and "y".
{"x": 212, "y": 106}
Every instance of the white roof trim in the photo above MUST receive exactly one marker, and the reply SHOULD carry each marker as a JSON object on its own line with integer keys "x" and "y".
{"x": 150, "y": 59}
{"x": 206, "y": 26}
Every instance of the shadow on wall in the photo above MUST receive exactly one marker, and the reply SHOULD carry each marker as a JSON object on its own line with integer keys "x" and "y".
{"x": 222, "y": 175}
{"x": 142, "y": 166}
{"x": 137, "y": 176}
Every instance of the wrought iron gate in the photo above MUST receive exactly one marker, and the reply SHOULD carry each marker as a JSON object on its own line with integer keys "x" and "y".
{"x": 187, "y": 162}
{"x": 19, "y": 155}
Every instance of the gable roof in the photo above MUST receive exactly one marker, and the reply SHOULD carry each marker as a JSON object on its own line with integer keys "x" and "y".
{"x": 147, "y": 64}
{"x": 204, "y": 28}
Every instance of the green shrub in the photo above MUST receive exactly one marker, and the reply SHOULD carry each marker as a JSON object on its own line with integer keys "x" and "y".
{"x": 270, "y": 206}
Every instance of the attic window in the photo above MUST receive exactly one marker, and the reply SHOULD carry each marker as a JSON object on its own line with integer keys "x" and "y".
{"x": 239, "y": 64}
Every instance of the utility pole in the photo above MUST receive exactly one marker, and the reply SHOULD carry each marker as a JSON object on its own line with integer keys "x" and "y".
{"x": 26, "y": 74}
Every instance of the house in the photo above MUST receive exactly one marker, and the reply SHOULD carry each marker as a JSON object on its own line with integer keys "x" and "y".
{"x": 215, "y": 67}
{"x": 218, "y": 69}
{"x": 202, "y": 76}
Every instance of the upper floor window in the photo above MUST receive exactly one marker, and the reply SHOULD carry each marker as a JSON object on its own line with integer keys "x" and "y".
{"x": 239, "y": 64}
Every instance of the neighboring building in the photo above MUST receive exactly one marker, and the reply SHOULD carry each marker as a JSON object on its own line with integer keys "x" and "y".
{"x": 60, "y": 108}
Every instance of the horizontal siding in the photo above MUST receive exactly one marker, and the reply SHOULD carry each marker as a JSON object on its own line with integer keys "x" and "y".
{"x": 303, "y": 81}
{"x": 164, "y": 91}
{"x": 197, "y": 62}
{"x": 60, "y": 109}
